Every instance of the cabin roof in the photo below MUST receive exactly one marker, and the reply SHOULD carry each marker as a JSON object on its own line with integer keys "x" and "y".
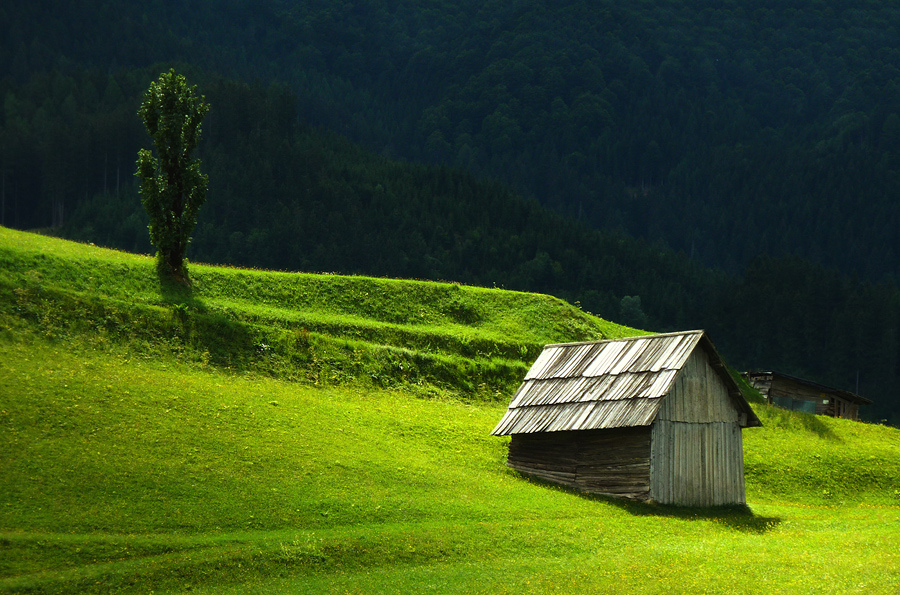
{"x": 849, "y": 396}
{"x": 607, "y": 384}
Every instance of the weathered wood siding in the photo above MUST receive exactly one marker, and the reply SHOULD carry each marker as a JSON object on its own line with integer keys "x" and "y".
{"x": 698, "y": 395}
{"x": 697, "y": 455}
{"x": 614, "y": 461}
{"x": 842, "y": 408}
{"x": 695, "y": 464}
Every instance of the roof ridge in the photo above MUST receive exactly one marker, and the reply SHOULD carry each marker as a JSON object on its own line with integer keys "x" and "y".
{"x": 632, "y": 338}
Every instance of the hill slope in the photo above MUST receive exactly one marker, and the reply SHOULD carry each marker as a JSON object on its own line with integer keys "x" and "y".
{"x": 129, "y": 461}
{"x": 316, "y": 328}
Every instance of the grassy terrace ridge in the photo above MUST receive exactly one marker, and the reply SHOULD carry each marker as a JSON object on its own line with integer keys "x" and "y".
{"x": 151, "y": 442}
{"x": 325, "y": 329}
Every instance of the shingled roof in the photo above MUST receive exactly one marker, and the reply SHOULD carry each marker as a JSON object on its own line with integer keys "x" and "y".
{"x": 607, "y": 384}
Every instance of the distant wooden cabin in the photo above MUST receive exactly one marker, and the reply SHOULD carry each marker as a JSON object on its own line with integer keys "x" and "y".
{"x": 797, "y": 394}
{"x": 655, "y": 418}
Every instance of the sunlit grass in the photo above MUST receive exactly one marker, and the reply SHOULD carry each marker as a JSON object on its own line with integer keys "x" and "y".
{"x": 829, "y": 461}
{"x": 147, "y": 473}
{"x": 135, "y": 456}
{"x": 471, "y": 341}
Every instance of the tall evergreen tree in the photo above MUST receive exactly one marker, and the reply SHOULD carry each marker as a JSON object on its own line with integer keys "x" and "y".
{"x": 172, "y": 186}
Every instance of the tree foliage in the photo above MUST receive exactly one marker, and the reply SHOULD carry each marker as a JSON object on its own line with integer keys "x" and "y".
{"x": 172, "y": 186}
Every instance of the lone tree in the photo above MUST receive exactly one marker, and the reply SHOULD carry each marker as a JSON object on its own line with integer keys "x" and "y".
{"x": 172, "y": 186}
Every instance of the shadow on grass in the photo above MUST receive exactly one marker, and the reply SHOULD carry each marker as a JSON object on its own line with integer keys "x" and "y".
{"x": 737, "y": 517}
{"x": 782, "y": 418}
{"x": 215, "y": 337}
{"x": 178, "y": 294}
{"x": 815, "y": 425}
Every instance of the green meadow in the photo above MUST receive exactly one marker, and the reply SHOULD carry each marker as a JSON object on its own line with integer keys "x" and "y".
{"x": 275, "y": 432}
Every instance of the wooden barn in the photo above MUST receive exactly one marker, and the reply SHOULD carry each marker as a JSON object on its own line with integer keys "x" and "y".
{"x": 797, "y": 394}
{"x": 656, "y": 417}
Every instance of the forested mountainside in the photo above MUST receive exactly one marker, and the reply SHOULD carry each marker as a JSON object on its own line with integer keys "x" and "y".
{"x": 745, "y": 137}
{"x": 722, "y": 129}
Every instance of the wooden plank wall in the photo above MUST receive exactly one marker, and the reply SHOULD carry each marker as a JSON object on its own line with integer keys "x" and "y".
{"x": 698, "y": 394}
{"x": 782, "y": 387}
{"x": 697, "y": 457}
{"x": 613, "y": 461}
{"x": 697, "y": 464}
{"x": 843, "y": 409}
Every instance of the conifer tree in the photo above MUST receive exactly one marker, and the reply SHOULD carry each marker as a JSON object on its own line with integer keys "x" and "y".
{"x": 172, "y": 186}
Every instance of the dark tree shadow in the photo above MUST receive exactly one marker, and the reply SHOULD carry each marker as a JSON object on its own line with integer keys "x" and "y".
{"x": 778, "y": 417}
{"x": 178, "y": 293}
{"x": 223, "y": 340}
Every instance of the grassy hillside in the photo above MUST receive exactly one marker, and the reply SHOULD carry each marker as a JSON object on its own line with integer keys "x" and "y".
{"x": 325, "y": 329}
{"x": 150, "y": 442}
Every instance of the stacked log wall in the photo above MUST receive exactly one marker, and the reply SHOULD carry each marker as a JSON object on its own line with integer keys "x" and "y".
{"x": 550, "y": 456}
{"x": 613, "y": 462}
